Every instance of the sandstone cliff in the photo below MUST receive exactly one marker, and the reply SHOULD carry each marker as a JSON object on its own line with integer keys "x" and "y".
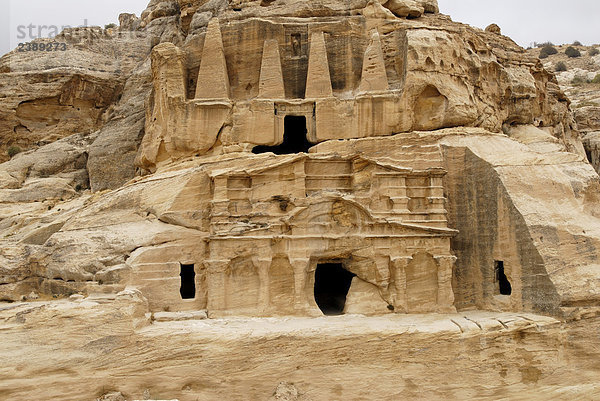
{"x": 160, "y": 188}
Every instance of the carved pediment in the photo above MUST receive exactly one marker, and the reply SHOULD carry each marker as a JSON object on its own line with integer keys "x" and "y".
{"x": 336, "y": 216}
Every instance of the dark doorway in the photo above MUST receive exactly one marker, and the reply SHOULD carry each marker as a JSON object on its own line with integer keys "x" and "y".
{"x": 332, "y": 283}
{"x": 503, "y": 284}
{"x": 188, "y": 282}
{"x": 294, "y": 138}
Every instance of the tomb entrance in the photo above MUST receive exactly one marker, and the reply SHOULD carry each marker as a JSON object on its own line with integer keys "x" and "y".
{"x": 332, "y": 283}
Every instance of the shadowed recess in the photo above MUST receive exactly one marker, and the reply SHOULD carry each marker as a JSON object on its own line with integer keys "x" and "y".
{"x": 503, "y": 283}
{"x": 332, "y": 283}
{"x": 294, "y": 138}
{"x": 188, "y": 282}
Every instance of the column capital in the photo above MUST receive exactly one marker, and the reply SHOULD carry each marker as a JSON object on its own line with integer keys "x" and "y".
{"x": 299, "y": 260}
{"x": 445, "y": 258}
{"x": 401, "y": 259}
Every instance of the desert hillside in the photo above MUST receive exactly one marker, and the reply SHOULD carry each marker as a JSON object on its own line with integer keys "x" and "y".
{"x": 298, "y": 200}
{"x": 579, "y": 76}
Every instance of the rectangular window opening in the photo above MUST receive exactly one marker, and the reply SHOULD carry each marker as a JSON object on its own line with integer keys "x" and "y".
{"x": 188, "y": 282}
{"x": 503, "y": 286}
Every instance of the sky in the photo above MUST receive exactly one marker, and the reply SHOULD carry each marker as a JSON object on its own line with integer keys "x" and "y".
{"x": 526, "y": 21}
{"x": 45, "y": 17}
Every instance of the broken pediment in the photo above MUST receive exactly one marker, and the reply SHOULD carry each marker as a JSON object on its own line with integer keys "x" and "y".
{"x": 335, "y": 216}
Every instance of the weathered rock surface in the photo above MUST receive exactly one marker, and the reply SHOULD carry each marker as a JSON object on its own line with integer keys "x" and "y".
{"x": 497, "y": 355}
{"x": 413, "y": 76}
{"x": 112, "y": 154}
{"x": 145, "y": 226}
{"x": 474, "y": 162}
{"x": 271, "y": 159}
{"x": 51, "y": 95}
{"x": 98, "y": 85}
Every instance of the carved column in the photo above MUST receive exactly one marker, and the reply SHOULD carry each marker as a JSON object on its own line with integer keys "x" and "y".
{"x": 215, "y": 278}
{"x": 445, "y": 292}
{"x": 399, "y": 266}
{"x": 300, "y": 266}
{"x": 383, "y": 276}
{"x": 263, "y": 265}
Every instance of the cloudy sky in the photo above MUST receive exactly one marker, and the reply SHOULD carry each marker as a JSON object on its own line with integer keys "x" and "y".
{"x": 526, "y": 21}
{"x": 44, "y": 16}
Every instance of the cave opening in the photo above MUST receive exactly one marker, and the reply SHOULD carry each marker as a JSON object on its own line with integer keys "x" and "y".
{"x": 504, "y": 286}
{"x": 294, "y": 138}
{"x": 332, "y": 283}
{"x": 188, "y": 282}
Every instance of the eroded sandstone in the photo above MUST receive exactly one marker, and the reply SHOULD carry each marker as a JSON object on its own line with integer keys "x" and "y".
{"x": 243, "y": 171}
